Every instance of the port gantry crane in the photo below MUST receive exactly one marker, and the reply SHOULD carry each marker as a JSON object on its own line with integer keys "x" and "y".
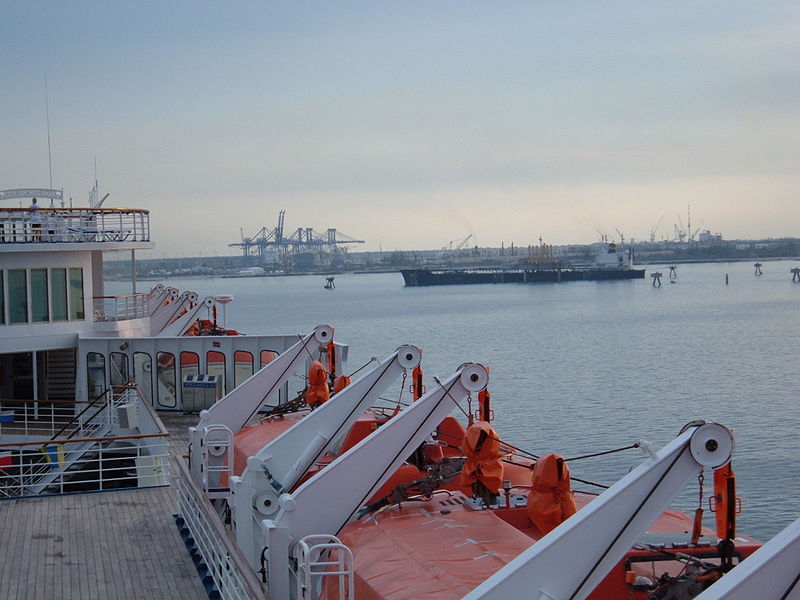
{"x": 302, "y": 240}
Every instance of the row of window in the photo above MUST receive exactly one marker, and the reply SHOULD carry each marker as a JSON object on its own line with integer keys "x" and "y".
{"x": 41, "y": 295}
{"x": 167, "y": 377}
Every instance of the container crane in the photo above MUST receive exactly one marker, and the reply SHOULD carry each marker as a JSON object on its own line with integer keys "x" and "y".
{"x": 654, "y": 230}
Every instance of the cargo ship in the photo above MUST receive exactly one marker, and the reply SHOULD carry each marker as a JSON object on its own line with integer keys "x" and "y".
{"x": 539, "y": 268}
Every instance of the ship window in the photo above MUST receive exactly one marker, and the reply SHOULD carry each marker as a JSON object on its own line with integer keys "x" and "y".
{"x": 267, "y": 356}
{"x": 17, "y": 296}
{"x": 96, "y": 374}
{"x": 2, "y": 300}
{"x": 215, "y": 365}
{"x": 76, "y": 294}
{"x": 165, "y": 382}
{"x": 58, "y": 294}
{"x": 242, "y": 367}
{"x": 142, "y": 367}
{"x": 190, "y": 364}
{"x": 39, "y": 304}
{"x": 119, "y": 368}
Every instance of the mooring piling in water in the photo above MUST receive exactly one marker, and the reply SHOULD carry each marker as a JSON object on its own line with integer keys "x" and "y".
{"x": 656, "y": 275}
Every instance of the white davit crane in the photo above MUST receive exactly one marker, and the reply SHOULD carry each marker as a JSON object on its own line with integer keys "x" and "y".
{"x": 599, "y": 535}
{"x": 281, "y": 463}
{"x": 211, "y": 449}
{"x": 326, "y": 502}
{"x": 771, "y": 573}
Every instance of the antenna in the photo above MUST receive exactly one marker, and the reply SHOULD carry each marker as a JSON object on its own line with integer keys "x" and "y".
{"x": 47, "y": 112}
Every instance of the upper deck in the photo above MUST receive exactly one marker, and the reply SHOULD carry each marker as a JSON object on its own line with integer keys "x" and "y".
{"x": 49, "y": 229}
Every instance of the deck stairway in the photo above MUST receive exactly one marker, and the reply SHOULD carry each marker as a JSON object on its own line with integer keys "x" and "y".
{"x": 90, "y": 443}
{"x": 95, "y": 421}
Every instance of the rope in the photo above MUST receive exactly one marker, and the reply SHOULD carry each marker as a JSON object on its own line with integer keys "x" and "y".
{"x": 601, "y": 453}
{"x": 628, "y": 522}
{"x": 364, "y": 366}
{"x": 402, "y": 451}
{"x": 587, "y": 482}
{"x": 283, "y": 373}
{"x": 447, "y": 393}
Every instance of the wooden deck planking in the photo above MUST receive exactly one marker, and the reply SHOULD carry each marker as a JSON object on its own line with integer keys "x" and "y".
{"x": 118, "y": 545}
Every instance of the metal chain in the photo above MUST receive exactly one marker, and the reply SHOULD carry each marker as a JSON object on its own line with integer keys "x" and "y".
{"x": 700, "y": 479}
{"x": 402, "y": 389}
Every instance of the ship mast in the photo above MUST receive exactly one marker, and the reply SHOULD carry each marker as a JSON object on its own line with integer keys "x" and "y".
{"x": 47, "y": 113}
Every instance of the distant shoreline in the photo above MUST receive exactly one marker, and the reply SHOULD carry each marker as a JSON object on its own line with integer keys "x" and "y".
{"x": 646, "y": 264}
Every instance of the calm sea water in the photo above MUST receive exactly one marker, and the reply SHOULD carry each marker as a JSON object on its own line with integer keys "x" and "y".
{"x": 587, "y": 366}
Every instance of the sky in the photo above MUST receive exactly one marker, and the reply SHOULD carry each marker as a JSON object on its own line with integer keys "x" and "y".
{"x": 410, "y": 124}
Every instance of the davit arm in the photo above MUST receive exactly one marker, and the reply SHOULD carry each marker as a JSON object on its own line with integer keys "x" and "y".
{"x": 281, "y": 463}
{"x": 212, "y": 437}
{"x": 570, "y": 561}
{"x": 330, "y": 499}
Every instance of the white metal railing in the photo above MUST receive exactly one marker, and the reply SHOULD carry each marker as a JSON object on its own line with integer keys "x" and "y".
{"x": 82, "y": 464}
{"x": 121, "y": 308}
{"x": 319, "y": 557}
{"x": 44, "y": 420}
{"x": 73, "y": 225}
{"x": 28, "y": 418}
{"x": 43, "y": 445}
{"x": 226, "y": 565}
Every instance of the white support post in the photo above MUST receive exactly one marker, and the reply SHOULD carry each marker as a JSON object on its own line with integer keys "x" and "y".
{"x": 35, "y": 374}
{"x": 133, "y": 271}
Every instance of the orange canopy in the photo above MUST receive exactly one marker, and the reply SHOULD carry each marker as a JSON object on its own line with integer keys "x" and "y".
{"x": 484, "y": 458}
{"x": 551, "y": 500}
{"x": 317, "y": 392}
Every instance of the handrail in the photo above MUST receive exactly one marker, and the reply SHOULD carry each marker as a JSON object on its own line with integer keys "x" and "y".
{"x": 35, "y": 401}
{"x": 255, "y": 589}
{"x": 67, "y": 211}
{"x": 112, "y": 388}
{"x": 138, "y": 295}
{"x": 73, "y": 225}
{"x": 80, "y": 414}
{"x": 108, "y": 438}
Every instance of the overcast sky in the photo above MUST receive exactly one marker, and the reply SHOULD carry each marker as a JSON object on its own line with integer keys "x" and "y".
{"x": 410, "y": 124}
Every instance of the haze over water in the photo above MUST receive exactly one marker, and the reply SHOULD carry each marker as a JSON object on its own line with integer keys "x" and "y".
{"x": 587, "y": 366}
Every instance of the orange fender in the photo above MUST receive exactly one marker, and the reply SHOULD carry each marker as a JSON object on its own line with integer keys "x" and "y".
{"x": 551, "y": 501}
